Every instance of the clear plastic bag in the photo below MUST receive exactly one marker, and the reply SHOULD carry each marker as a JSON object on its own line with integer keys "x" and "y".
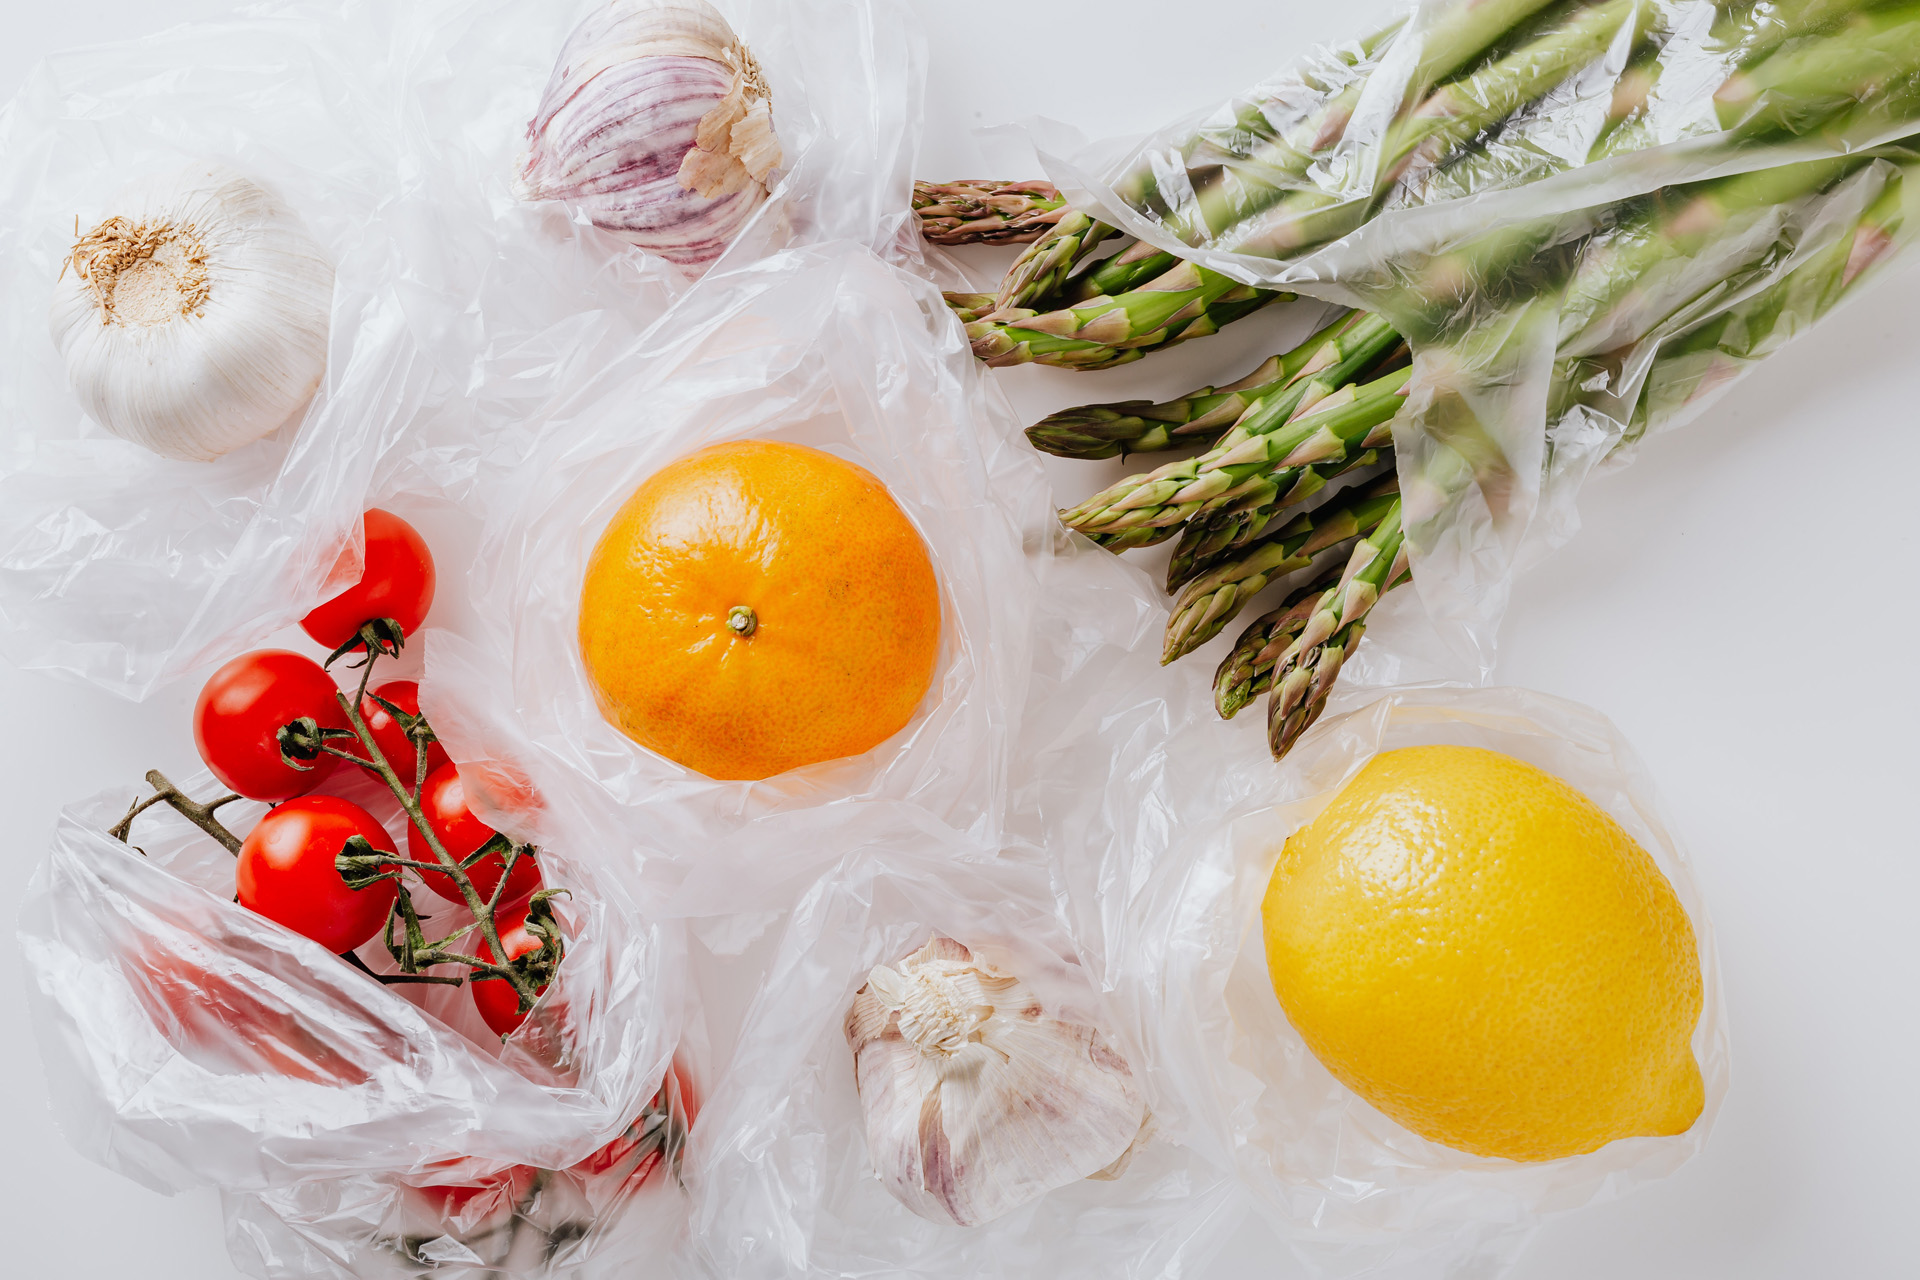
{"x": 1586, "y": 220}
{"x": 1164, "y": 898}
{"x": 828, "y": 347}
{"x": 392, "y": 130}
{"x": 779, "y": 1170}
{"x": 191, "y": 1042}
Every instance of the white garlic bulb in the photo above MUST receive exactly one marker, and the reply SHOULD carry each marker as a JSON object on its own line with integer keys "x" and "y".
{"x": 976, "y": 1101}
{"x": 194, "y": 319}
{"x": 658, "y": 124}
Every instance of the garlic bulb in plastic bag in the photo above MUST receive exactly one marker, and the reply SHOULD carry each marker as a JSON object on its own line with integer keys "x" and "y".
{"x": 658, "y": 123}
{"x": 194, "y": 318}
{"x": 976, "y": 1101}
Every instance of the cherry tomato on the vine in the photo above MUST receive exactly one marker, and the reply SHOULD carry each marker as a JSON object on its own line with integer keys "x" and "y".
{"x": 465, "y": 1209}
{"x": 498, "y": 1002}
{"x": 444, "y": 802}
{"x": 237, "y": 719}
{"x": 286, "y": 872}
{"x": 232, "y": 1023}
{"x": 640, "y": 1152}
{"x": 387, "y": 734}
{"x": 396, "y": 582}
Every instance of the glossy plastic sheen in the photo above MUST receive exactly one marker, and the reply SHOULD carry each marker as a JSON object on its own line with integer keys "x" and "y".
{"x": 1587, "y": 220}
{"x": 393, "y": 130}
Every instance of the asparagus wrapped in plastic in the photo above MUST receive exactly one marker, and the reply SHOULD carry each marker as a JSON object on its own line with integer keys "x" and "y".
{"x": 1306, "y": 668}
{"x": 1199, "y": 417}
{"x": 1212, "y": 600}
{"x": 1247, "y": 670}
{"x": 1278, "y": 461}
{"x": 1185, "y": 302}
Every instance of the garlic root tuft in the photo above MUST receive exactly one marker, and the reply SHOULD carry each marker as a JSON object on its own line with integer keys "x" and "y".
{"x": 194, "y": 318}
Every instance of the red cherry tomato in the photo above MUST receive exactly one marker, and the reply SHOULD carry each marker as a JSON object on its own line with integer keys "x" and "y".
{"x": 640, "y": 1152}
{"x": 498, "y": 1002}
{"x": 395, "y": 745}
{"x": 233, "y": 1023}
{"x": 467, "y": 1209}
{"x": 239, "y": 714}
{"x": 396, "y": 582}
{"x": 444, "y": 802}
{"x": 286, "y": 872}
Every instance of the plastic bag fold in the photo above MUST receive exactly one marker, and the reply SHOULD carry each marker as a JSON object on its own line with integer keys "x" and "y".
{"x": 190, "y": 1042}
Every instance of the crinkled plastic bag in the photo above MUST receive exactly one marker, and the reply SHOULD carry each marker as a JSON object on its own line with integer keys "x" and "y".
{"x": 1163, "y": 840}
{"x": 1587, "y": 219}
{"x": 829, "y": 347}
{"x": 779, "y": 1170}
{"x": 393, "y": 130}
{"x": 190, "y": 1042}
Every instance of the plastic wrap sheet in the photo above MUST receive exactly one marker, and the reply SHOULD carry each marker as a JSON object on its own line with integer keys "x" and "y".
{"x": 392, "y": 129}
{"x": 828, "y": 347}
{"x": 780, "y": 1174}
{"x": 1162, "y": 842}
{"x": 515, "y": 304}
{"x": 1587, "y": 218}
{"x": 190, "y": 1042}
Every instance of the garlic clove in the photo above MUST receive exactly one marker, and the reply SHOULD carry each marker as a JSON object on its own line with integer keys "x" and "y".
{"x": 752, "y": 142}
{"x": 976, "y": 1100}
{"x": 194, "y": 318}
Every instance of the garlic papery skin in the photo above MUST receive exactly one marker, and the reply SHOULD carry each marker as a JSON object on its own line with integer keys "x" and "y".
{"x": 976, "y": 1100}
{"x": 657, "y": 123}
{"x": 193, "y": 319}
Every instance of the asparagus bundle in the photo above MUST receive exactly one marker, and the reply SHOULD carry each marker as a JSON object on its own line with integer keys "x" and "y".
{"x": 1211, "y": 601}
{"x": 1745, "y": 173}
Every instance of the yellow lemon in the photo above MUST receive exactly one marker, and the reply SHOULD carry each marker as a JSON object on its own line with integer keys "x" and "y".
{"x": 1473, "y": 947}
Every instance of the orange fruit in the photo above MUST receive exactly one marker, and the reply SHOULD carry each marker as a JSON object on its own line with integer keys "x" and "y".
{"x": 758, "y": 606}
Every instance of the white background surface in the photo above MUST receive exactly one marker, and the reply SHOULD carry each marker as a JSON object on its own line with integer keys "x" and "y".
{"x": 1741, "y": 602}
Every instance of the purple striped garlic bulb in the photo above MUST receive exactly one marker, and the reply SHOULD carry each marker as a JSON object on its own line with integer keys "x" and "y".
{"x": 657, "y": 123}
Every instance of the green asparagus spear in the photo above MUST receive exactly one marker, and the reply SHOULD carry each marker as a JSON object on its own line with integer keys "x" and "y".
{"x": 1128, "y": 269}
{"x": 1210, "y": 538}
{"x": 1305, "y": 670}
{"x": 1452, "y": 116}
{"x": 1188, "y": 301}
{"x": 1338, "y": 426}
{"x": 1640, "y": 271}
{"x": 1247, "y": 670}
{"x": 1211, "y": 601}
{"x": 1044, "y": 265}
{"x": 1874, "y": 56}
{"x": 978, "y": 212}
{"x": 1199, "y": 417}
{"x": 969, "y": 306}
{"x": 1702, "y": 360}
{"x": 1458, "y": 36}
